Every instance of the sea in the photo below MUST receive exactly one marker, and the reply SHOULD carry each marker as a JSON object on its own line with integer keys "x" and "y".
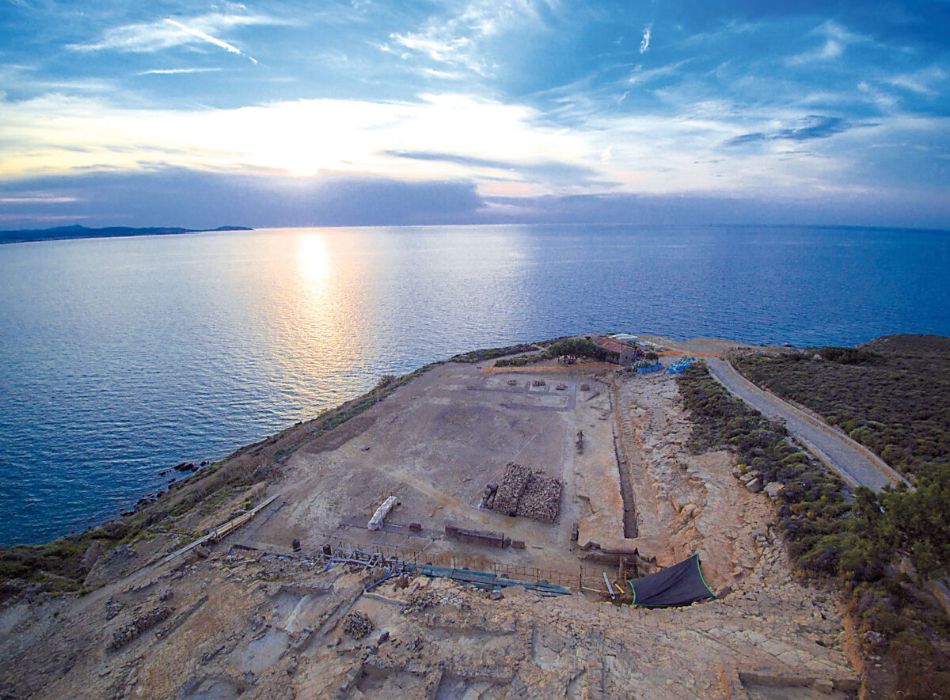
{"x": 120, "y": 358}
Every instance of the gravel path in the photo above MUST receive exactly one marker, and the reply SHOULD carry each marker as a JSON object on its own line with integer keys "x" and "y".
{"x": 855, "y": 463}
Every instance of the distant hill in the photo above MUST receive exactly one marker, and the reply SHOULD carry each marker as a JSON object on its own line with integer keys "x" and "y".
{"x": 67, "y": 232}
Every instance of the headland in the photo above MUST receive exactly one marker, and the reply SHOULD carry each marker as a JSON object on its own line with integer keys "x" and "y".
{"x": 64, "y": 233}
{"x": 527, "y": 490}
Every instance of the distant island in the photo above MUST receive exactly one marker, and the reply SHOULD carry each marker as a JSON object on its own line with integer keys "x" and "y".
{"x": 60, "y": 233}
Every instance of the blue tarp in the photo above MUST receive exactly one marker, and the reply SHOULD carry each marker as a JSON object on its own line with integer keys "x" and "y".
{"x": 680, "y": 367}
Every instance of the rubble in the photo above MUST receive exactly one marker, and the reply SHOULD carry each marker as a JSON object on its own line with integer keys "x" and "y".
{"x": 528, "y": 494}
{"x": 541, "y": 499}
{"x": 129, "y": 632}
{"x": 488, "y": 496}
{"x": 509, "y": 491}
{"x": 113, "y": 607}
{"x": 357, "y": 625}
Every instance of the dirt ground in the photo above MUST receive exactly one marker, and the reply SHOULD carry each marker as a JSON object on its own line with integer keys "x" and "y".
{"x": 435, "y": 444}
{"x": 249, "y": 617}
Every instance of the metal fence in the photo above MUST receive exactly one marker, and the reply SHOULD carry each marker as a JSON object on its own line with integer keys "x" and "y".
{"x": 582, "y": 578}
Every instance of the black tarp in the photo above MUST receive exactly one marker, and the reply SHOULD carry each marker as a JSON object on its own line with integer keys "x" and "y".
{"x": 680, "y": 584}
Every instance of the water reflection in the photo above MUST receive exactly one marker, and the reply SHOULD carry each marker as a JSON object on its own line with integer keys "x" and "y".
{"x": 123, "y": 356}
{"x": 313, "y": 261}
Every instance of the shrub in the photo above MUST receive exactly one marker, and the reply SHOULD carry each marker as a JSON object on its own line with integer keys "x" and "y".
{"x": 849, "y": 356}
{"x": 903, "y": 415}
{"x": 893, "y": 396}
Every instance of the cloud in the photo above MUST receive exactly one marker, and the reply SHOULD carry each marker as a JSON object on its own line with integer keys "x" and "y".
{"x": 215, "y": 41}
{"x": 645, "y": 41}
{"x": 34, "y": 199}
{"x": 836, "y": 37}
{"x": 641, "y": 76}
{"x": 688, "y": 143}
{"x": 170, "y": 32}
{"x": 921, "y": 82}
{"x": 814, "y": 127}
{"x": 870, "y": 209}
{"x": 458, "y": 40}
{"x": 195, "y": 199}
{"x": 302, "y": 138}
{"x": 443, "y": 74}
{"x": 178, "y": 71}
{"x": 547, "y": 172}
{"x": 830, "y": 49}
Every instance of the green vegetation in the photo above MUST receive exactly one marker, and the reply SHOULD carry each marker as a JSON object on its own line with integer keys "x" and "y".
{"x": 849, "y": 356}
{"x": 491, "y": 353}
{"x": 578, "y": 347}
{"x": 520, "y": 360}
{"x": 857, "y": 542}
{"x": 814, "y": 506}
{"x": 892, "y": 395}
{"x": 58, "y": 566}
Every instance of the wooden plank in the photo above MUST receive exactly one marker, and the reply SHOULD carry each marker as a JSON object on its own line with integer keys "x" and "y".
{"x": 220, "y": 531}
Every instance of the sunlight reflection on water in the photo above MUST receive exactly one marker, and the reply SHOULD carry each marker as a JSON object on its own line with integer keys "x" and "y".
{"x": 121, "y": 357}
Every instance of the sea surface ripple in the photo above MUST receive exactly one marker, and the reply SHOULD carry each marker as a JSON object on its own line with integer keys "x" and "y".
{"x": 122, "y": 357}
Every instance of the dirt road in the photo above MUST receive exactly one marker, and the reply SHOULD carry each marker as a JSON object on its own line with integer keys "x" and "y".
{"x": 854, "y": 463}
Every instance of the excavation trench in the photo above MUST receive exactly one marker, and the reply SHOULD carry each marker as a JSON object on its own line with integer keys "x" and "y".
{"x": 626, "y": 488}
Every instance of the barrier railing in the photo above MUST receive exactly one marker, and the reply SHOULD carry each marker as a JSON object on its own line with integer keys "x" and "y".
{"x": 583, "y": 578}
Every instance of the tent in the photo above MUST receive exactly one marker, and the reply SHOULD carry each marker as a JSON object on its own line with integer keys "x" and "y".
{"x": 680, "y": 584}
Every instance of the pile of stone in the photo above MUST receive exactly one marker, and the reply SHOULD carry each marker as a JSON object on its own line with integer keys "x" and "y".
{"x": 528, "y": 494}
{"x": 357, "y": 625}
{"x": 541, "y": 499}
{"x": 509, "y": 491}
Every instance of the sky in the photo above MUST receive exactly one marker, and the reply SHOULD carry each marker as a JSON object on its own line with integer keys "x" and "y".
{"x": 358, "y": 112}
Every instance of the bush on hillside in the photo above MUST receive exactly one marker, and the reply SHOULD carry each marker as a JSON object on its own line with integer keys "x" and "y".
{"x": 859, "y": 542}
